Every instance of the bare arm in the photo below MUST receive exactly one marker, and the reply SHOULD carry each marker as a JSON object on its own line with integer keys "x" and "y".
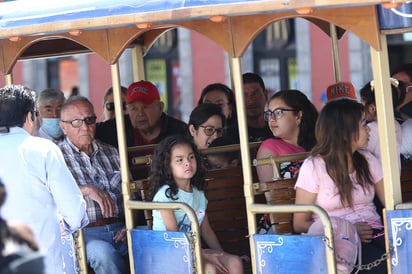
{"x": 380, "y": 192}
{"x": 209, "y": 235}
{"x": 169, "y": 220}
{"x": 265, "y": 173}
{"x": 302, "y": 221}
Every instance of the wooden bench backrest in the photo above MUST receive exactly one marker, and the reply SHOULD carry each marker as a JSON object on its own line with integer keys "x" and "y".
{"x": 141, "y": 190}
{"x": 280, "y": 191}
{"x": 406, "y": 181}
{"x": 139, "y": 166}
{"x": 140, "y": 157}
{"x": 226, "y": 209}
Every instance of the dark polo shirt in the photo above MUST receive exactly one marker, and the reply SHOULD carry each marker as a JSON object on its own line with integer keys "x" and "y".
{"x": 106, "y": 131}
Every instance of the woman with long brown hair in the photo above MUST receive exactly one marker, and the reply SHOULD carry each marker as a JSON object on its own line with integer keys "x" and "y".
{"x": 342, "y": 177}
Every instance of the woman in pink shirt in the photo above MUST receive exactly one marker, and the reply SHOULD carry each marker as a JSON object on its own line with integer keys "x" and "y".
{"x": 342, "y": 177}
{"x": 291, "y": 118}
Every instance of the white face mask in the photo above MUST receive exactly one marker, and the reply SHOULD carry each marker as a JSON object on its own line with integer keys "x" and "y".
{"x": 52, "y": 127}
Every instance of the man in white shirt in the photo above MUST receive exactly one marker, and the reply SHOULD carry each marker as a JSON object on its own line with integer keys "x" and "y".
{"x": 38, "y": 182}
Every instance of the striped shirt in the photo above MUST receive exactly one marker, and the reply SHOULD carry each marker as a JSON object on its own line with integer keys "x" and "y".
{"x": 101, "y": 169}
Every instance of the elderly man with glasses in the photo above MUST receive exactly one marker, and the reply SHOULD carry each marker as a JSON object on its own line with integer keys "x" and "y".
{"x": 96, "y": 169}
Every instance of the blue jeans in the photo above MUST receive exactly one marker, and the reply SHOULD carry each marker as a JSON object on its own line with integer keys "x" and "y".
{"x": 103, "y": 254}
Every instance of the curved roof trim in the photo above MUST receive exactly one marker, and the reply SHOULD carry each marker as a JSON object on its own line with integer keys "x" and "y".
{"x": 55, "y": 16}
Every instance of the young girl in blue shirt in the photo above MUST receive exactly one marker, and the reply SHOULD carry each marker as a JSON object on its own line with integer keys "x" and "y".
{"x": 177, "y": 175}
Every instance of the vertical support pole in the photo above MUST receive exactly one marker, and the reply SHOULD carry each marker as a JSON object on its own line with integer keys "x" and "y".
{"x": 8, "y": 78}
{"x": 335, "y": 53}
{"x": 236, "y": 70}
{"x": 386, "y": 125}
{"x": 124, "y": 164}
{"x": 81, "y": 251}
{"x": 138, "y": 63}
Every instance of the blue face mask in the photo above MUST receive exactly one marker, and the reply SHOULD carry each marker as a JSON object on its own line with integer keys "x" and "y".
{"x": 52, "y": 127}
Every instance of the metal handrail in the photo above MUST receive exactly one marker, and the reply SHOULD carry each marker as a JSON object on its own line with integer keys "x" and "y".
{"x": 274, "y": 161}
{"x": 147, "y": 159}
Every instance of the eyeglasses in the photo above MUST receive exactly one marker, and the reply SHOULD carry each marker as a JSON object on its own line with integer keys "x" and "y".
{"x": 76, "y": 123}
{"x": 209, "y": 130}
{"x": 110, "y": 106}
{"x": 276, "y": 113}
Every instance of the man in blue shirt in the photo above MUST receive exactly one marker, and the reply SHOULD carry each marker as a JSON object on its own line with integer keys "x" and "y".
{"x": 38, "y": 182}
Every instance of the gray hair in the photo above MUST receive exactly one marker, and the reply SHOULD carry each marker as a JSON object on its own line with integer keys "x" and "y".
{"x": 77, "y": 99}
{"x": 49, "y": 94}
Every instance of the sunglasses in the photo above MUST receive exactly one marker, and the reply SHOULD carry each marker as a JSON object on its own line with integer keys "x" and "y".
{"x": 76, "y": 123}
{"x": 110, "y": 106}
{"x": 209, "y": 130}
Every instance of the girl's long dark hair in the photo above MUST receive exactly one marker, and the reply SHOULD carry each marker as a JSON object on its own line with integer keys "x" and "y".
{"x": 367, "y": 94}
{"x": 337, "y": 126}
{"x": 297, "y": 100}
{"x": 161, "y": 173}
{"x": 232, "y": 120}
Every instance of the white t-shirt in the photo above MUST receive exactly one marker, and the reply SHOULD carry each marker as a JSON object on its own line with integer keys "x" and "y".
{"x": 406, "y": 146}
{"x": 373, "y": 144}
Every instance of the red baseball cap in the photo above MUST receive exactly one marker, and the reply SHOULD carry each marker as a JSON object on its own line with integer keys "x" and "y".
{"x": 142, "y": 91}
{"x": 341, "y": 90}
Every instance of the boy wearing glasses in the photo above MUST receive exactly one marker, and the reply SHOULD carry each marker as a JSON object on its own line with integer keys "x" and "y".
{"x": 96, "y": 169}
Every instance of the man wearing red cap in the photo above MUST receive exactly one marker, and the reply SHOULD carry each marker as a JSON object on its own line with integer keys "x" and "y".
{"x": 146, "y": 122}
